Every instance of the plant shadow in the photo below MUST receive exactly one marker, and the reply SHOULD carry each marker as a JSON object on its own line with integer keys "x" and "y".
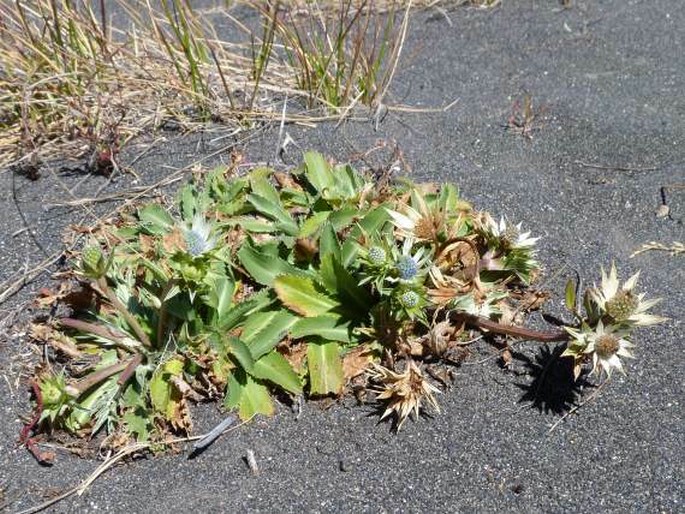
{"x": 552, "y": 388}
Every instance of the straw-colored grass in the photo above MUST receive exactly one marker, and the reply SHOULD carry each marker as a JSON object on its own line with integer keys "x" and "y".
{"x": 74, "y": 85}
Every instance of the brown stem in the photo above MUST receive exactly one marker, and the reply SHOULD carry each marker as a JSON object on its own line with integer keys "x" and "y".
{"x": 47, "y": 457}
{"x": 510, "y": 330}
{"x": 123, "y": 310}
{"x": 130, "y": 369}
{"x": 98, "y": 376}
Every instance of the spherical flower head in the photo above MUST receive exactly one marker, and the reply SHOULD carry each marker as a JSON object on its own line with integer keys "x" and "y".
{"x": 407, "y": 267}
{"x": 93, "y": 263}
{"x": 197, "y": 237}
{"x": 410, "y": 299}
{"x": 377, "y": 255}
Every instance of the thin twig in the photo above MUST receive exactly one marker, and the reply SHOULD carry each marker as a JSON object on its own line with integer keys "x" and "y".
{"x": 110, "y": 461}
{"x": 617, "y": 168}
{"x": 575, "y": 408}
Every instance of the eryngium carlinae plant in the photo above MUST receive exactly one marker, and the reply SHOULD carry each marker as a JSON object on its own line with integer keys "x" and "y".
{"x": 314, "y": 281}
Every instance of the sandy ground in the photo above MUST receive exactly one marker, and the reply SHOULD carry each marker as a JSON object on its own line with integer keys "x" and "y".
{"x": 607, "y": 80}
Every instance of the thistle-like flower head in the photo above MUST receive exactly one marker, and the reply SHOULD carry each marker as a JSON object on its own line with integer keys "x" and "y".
{"x": 620, "y": 303}
{"x": 606, "y": 344}
{"x": 198, "y": 236}
{"x": 509, "y": 236}
{"x": 404, "y": 391}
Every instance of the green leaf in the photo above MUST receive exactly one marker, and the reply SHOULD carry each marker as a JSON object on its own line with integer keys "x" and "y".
{"x": 241, "y": 352}
{"x": 571, "y": 295}
{"x": 328, "y": 242}
{"x": 340, "y": 282}
{"x": 275, "y": 368}
{"x": 161, "y": 387}
{"x": 253, "y": 225}
{"x": 325, "y": 368}
{"x": 369, "y": 224}
{"x": 274, "y": 211}
{"x": 262, "y": 267}
{"x": 332, "y": 328}
{"x": 155, "y": 219}
{"x": 264, "y": 330}
{"x": 138, "y": 423}
{"x": 248, "y": 396}
{"x": 318, "y": 172}
{"x": 300, "y": 295}
{"x": 313, "y": 223}
{"x": 342, "y": 218}
{"x": 220, "y": 296}
{"x": 187, "y": 201}
{"x": 260, "y": 185}
{"x": 235, "y": 315}
{"x": 348, "y": 183}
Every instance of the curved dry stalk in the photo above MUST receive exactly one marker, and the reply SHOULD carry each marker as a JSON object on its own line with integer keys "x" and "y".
{"x": 510, "y": 330}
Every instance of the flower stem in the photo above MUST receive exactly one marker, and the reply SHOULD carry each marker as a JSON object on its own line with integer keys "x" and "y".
{"x": 123, "y": 310}
{"x": 510, "y": 330}
{"x": 102, "y": 374}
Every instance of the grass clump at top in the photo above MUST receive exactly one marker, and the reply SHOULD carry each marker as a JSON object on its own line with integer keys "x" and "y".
{"x": 320, "y": 281}
{"x": 75, "y": 84}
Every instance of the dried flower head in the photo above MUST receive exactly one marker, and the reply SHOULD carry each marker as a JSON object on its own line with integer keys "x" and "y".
{"x": 404, "y": 391}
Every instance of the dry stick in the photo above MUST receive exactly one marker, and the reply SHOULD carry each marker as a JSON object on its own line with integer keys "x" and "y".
{"x": 109, "y": 462}
{"x": 574, "y": 409}
{"x": 617, "y": 168}
{"x": 12, "y": 286}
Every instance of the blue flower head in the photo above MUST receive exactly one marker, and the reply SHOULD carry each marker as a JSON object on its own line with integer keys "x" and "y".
{"x": 407, "y": 267}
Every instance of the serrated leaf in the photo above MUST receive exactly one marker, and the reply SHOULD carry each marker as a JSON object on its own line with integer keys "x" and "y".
{"x": 369, "y": 224}
{"x": 274, "y": 211}
{"x": 318, "y": 172}
{"x": 235, "y": 315}
{"x": 138, "y": 423}
{"x": 355, "y": 300}
{"x": 325, "y": 368}
{"x": 241, "y": 352}
{"x": 248, "y": 396}
{"x": 571, "y": 295}
{"x": 328, "y": 242}
{"x": 253, "y": 225}
{"x": 300, "y": 295}
{"x": 220, "y": 296}
{"x": 331, "y": 328}
{"x": 313, "y": 223}
{"x": 259, "y": 183}
{"x": 275, "y": 368}
{"x": 264, "y": 268}
{"x": 155, "y": 219}
{"x": 161, "y": 387}
{"x": 187, "y": 202}
{"x": 264, "y": 330}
